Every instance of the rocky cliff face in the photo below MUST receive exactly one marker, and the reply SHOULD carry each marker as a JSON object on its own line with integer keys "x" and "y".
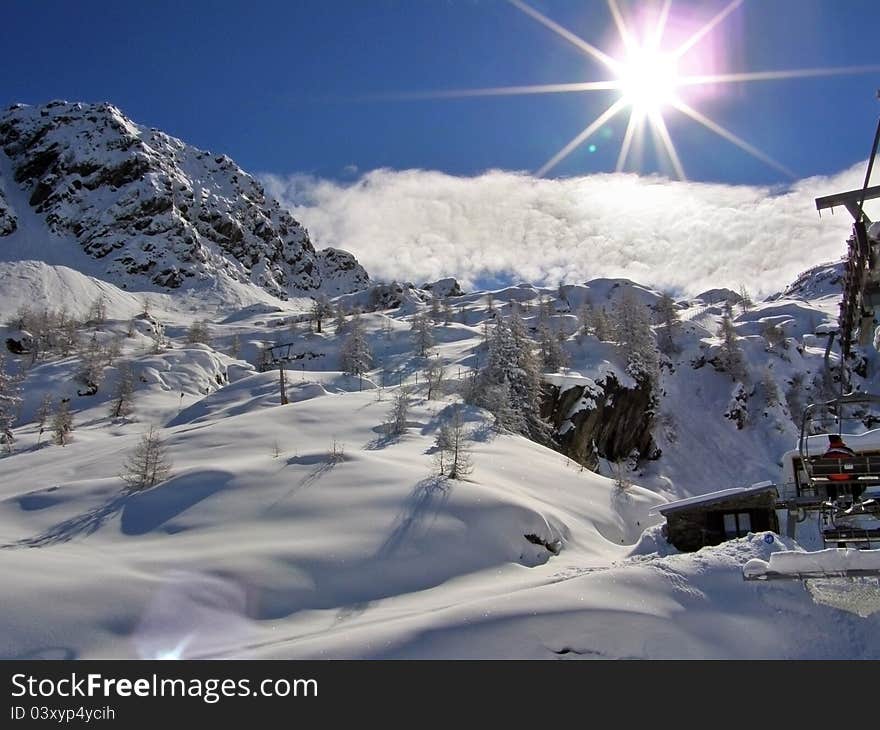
{"x": 150, "y": 205}
{"x": 8, "y": 222}
{"x": 602, "y": 419}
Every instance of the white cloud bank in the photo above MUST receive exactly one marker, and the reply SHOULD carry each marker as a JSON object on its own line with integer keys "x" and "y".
{"x": 418, "y": 226}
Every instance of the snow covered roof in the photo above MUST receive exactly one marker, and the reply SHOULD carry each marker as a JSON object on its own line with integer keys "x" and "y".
{"x": 719, "y": 496}
{"x": 798, "y": 564}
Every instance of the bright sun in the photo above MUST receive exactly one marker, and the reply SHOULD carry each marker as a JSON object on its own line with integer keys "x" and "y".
{"x": 649, "y": 85}
{"x": 648, "y": 81}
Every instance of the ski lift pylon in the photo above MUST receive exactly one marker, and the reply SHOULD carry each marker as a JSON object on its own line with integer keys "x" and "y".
{"x": 837, "y": 483}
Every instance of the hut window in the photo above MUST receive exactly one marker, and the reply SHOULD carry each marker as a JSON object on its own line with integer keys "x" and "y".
{"x": 737, "y": 524}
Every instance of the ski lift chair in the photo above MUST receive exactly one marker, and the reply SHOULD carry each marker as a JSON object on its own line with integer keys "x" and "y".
{"x": 848, "y": 515}
{"x": 846, "y": 518}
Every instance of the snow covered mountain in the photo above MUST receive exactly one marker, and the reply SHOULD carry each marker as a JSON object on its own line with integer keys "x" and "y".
{"x": 149, "y": 207}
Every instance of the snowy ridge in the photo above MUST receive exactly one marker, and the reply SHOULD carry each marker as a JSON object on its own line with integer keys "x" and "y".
{"x": 29, "y": 283}
{"x": 148, "y": 206}
{"x": 819, "y": 281}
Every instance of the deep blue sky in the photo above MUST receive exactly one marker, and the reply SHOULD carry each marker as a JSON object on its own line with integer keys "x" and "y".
{"x": 276, "y": 84}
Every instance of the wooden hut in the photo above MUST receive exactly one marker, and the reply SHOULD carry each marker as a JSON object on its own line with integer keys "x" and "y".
{"x": 710, "y": 519}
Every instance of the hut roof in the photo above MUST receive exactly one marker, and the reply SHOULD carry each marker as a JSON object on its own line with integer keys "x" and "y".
{"x": 720, "y": 496}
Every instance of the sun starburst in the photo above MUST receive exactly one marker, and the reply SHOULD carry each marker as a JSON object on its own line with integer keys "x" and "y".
{"x": 648, "y": 80}
{"x": 649, "y": 84}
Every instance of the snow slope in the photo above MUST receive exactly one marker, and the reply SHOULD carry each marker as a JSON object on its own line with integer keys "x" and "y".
{"x": 302, "y": 536}
{"x": 303, "y": 530}
{"x": 247, "y": 554}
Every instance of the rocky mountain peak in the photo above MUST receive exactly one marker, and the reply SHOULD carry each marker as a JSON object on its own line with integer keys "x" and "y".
{"x": 152, "y": 206}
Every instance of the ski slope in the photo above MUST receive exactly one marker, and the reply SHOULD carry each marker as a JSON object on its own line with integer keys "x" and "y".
{"x": 303, "y": 530}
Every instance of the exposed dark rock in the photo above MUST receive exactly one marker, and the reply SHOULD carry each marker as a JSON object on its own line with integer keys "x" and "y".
{"x": 553, "y": 546}
{"x": 170, "y": 278}
{"x": 444, "y": 288}
{"x": 738, "y": 408}
{"x": 340, "y": 270}
{"x": 8, "y": 220}
{"x": 19, "y": 343}
{"x": 386, "y": 296}
{"x": 608, "y": 421}
{"x": 41, "y": 193}
{"x": 36, "y": 165}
